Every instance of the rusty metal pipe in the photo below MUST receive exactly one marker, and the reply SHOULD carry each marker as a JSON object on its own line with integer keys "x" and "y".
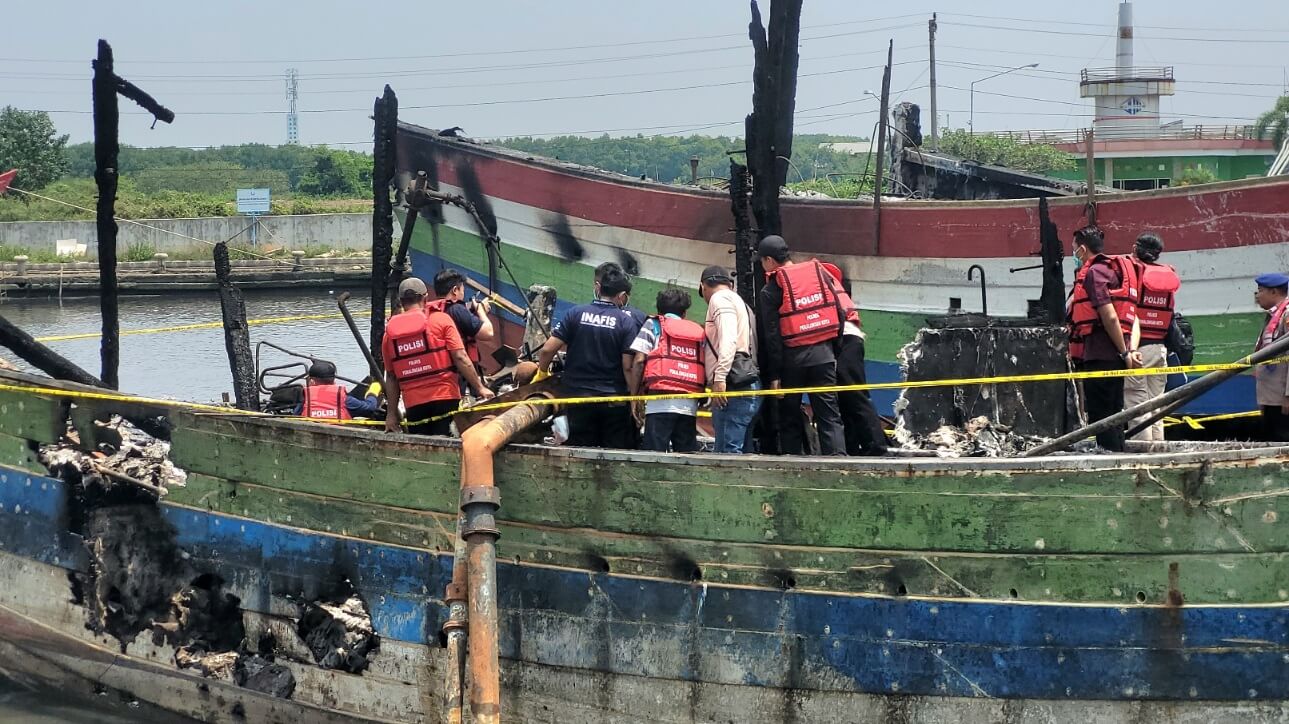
{"x": 480, "y": 501}
{"x": 455, "y": 630}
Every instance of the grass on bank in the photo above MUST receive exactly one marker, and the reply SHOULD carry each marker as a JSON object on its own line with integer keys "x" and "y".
{"x": 144, "y": 252}
{"x": 134, "y": 204}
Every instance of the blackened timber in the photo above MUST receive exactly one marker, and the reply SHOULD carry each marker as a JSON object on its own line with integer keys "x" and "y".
{"x": 385, "y": 126}
{"x": 414, "y": 197}
{"x": 879, "y": 181}
{"x": 768, "y": 129}
{"x": 745, "y": 275}
{"x": 1052, "y": 297}
{"x": 41, "y": 357}
{"x": 106, "y": 149}
{"x": 237, "y": 335}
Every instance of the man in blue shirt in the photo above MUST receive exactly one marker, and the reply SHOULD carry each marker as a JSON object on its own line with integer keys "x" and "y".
{"x": 598, "y": 337}
{"x": 470, "y": 318}
{"x": 635, "y": 313}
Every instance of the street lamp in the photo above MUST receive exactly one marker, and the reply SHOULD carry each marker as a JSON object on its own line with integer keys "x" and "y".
{"x": 971, "y": 120}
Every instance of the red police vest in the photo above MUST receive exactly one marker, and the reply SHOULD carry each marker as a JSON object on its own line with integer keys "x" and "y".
{"x": 1270, "y": 332}
{"x": 471, "y": 344}
{"x": 419, "y": 359}
{"x": 810, "y": 312}
{"x": 847, "y": 304}
{"x": 1159, "y": 285}
{"x": 1082, "y": 317}
{"x": 325, "y": 402}
{"x": 676, "y": 363}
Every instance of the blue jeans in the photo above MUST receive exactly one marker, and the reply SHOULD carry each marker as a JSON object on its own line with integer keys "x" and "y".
{"x": 733, "y": 422}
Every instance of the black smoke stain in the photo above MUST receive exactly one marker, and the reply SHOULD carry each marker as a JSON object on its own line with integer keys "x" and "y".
{"x": 629, "y": 263}
{"x": 473, "y": 192}
{"x": 570, "y": 249}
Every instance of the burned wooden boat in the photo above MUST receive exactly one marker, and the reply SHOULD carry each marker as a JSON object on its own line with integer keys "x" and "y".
{"x": 298, "y": 573}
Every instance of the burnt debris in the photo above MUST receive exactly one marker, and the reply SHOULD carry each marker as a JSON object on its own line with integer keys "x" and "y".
{"x": 339, "y": 634}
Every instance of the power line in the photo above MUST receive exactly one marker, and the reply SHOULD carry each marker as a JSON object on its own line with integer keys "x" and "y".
{"x": 1070, "y": 103}
{"x": 476, "y": 104}
{"x": 259, "y": 78}
{"x": 1045, "y": 54}
{"x": 491, "y": 52}
{"x": 1099, "y": 35}
{"x": 1113, "y": 26}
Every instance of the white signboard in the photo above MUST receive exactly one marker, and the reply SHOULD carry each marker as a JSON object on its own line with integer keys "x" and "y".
{"x": 252, "y": 201}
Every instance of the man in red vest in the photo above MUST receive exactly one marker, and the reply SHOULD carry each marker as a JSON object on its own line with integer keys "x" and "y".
{"x": 323, "y": 399}
{"x": 471, "y": 318}
{"x": 669, "y": 358}
{"x": 802, "y": 324}
{"x": 1273, "y": 380}
{"x": 1101, "y": 312}
{"x": 424, "y": 355}
{"x": 1159, "y": 285}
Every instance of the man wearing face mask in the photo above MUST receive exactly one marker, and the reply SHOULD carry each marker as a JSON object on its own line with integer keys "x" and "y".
{"x": 1100, "y": 313}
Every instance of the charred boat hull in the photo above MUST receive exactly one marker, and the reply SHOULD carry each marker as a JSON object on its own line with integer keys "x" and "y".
{"x": 637, "y": 587}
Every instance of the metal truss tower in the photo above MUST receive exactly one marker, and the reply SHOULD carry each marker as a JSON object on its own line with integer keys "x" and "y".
{"x": 292, "y": 116}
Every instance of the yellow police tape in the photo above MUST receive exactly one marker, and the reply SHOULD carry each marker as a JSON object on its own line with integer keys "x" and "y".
{"x": 200, "y": 325}
{"x": 490, "y": 406}
{"x": 905, "y": 384}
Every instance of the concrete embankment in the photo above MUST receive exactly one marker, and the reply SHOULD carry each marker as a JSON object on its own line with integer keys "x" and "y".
{"x": 335, "y": 231}
{"x": 157, "y": 277}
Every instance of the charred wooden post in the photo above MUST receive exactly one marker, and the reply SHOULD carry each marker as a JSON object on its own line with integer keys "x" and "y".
{"x": 1052, "y": 298}
{"x": 745, "y": 276}
{"x": 879, "y": 181}
{"x": 106, "y": 148}
{"x": 41, "y": 357}
{"x": 237, "y": 335}
{"x": 1090, "y": 161}
{"x": 768, "y": 129}
{"x": 106, "y": 85}
{"x": 415, "y": 198}
{"x": 384, "y": 150}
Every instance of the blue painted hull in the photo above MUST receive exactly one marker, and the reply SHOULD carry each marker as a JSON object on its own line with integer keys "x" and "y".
{"x": 729, "y": 635}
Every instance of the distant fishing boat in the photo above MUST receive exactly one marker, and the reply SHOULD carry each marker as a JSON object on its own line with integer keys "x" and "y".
{"x": 558, "y": 220}
{"x": 641, "y": 587}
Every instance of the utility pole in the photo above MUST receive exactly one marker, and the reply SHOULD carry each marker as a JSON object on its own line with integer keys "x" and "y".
{"x": 935, "y": 119}
{"x": 879, "y": 183}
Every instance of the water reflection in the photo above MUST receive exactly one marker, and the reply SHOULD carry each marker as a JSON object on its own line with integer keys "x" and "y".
{"x": 190, "y": 365}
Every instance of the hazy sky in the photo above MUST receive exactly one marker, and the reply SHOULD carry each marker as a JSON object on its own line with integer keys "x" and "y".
{"x": 481, "y": 64}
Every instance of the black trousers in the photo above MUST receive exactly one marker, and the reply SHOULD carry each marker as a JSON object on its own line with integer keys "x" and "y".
{"x": 1275, "y": 424}
{"x": 1102, "y": 397}
{"x": 603, "y": 424}
{"x": 864, "y": 434}
{"x": 418, "y": 414}
{"x": 670, "y": 432}
{"x": 827, "y": 414}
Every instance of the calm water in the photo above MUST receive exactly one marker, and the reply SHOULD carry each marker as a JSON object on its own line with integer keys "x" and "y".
{"x": 192, "y": 365}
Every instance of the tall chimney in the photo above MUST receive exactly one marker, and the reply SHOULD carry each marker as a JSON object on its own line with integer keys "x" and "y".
{"x": 1123, "y": 56}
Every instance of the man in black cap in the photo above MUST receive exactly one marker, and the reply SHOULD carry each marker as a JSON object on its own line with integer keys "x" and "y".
{"x": 803, "y": 320}
{"x": 1273, "y": 380}
{"x": 326, "y": 400}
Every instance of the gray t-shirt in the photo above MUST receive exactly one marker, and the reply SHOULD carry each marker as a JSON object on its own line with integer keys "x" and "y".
{"x": 645, "y": 343}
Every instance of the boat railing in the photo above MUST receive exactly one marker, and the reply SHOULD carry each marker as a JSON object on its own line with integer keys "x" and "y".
{"x": 1166, "y": 132}
{"x": 1126, "y": 75}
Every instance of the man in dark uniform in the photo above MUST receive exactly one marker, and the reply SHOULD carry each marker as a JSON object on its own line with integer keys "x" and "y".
{"x": 1100, "y": 313}
{"x": 1272, "y": 381}
{"x": 598, "y": 337}
{"x": 471, "y": 318}
{"x": 803, "y": 327}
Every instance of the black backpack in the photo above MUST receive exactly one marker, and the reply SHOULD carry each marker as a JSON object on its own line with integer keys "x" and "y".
{"x": 1181, "y": 339}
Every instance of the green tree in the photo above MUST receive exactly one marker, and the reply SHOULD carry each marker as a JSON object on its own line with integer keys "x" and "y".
{"x": 337, "y": 173}
{"x": 1196, "y": 175}
{"x": 1275, "y": 120}
{"x": 1004, "y": 151}
{"x": 30, "y": 143}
